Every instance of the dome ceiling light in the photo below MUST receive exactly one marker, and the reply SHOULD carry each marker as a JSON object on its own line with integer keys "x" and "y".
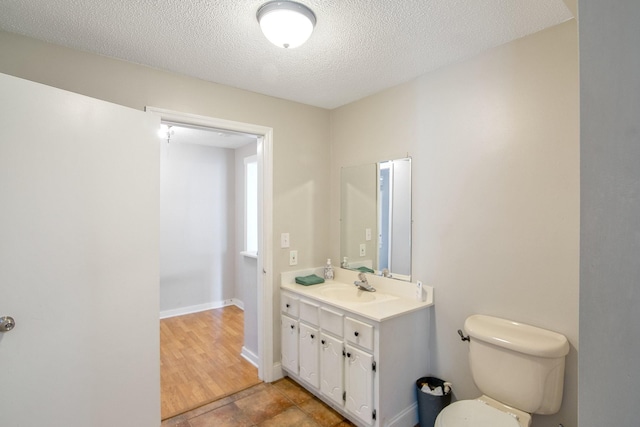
{"x": 286, "y": 24}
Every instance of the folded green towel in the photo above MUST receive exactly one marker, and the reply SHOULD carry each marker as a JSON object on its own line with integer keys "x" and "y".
{"x": 309, "y": 280}
{"x": 365, "y": 270}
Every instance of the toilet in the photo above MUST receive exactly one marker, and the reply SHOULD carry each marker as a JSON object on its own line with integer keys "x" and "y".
{"x": 519, "y": 369}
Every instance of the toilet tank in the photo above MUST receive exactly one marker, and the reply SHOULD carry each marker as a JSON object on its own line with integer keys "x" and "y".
{"x": 519, "y": 365}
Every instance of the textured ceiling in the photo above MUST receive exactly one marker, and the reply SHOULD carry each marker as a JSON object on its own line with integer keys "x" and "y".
{"x": 358, "y": 48}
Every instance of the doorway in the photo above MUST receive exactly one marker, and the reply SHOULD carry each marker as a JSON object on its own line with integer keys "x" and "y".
{"x": 202, "y": 220}
{"x": 263, "y": 259}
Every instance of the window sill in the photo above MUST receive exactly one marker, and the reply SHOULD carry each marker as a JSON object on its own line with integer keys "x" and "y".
{"x": 253, "y": 255}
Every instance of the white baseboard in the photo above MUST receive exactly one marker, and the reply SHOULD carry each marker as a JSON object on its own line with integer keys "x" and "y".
{"x": 201, "y": 307}
{"x": 408, "y": 417}
{"x": 250, "y": 356}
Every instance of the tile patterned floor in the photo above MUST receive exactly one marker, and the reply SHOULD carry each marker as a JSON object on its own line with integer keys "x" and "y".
{"x": 283, "y": 403}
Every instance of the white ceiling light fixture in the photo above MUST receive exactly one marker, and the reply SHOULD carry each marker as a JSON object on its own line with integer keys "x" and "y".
{"x": 286, "y": 24}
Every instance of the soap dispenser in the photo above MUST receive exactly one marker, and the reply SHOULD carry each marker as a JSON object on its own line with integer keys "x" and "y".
{"x": 328, "y": 271}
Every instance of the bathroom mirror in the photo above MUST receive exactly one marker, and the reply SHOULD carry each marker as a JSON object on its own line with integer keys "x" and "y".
{"x": 375, "y": 218}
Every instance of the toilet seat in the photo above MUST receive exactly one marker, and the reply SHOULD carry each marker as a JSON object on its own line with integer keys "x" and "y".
{"x": 474, "y": 413}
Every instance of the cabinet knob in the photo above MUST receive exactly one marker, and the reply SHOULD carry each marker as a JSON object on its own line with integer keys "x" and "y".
{"x": 312, "y": 336}
{"x": 323, "y": 342}
{"x": 348, "y": 354}
{"x": 356, "y": 333}
{"x": 292, "y": 326}
{"x": 287, "y": 305}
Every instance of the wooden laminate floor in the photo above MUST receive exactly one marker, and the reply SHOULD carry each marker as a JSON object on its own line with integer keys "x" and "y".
{"x": 200, "y": 359}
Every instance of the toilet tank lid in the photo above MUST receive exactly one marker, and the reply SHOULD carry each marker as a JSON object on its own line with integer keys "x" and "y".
{"x": 516, "y": 336}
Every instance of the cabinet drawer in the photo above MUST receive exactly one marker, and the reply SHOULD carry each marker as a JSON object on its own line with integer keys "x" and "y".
{"x": 309, "y": 312}
{"x": 331, "y": 321}
{"x": 358, "y": 333}
{"x": 289, "y": 304}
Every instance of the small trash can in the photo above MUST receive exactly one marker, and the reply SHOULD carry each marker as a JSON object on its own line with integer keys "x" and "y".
{"x": 430, "y": 405}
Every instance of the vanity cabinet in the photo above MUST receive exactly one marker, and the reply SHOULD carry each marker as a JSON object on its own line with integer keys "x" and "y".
{"x": 365, "y": 369}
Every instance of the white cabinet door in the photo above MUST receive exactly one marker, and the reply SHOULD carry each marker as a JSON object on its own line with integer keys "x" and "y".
{"x": 331, "y": 368}
{"x": 79, "y": 220}
{"x": 290, "y": 344}
{"x": 359, "y": 383}
{"x": 309, "y": 369}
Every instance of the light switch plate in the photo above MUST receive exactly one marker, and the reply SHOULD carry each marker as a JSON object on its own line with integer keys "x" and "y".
{"x": 293, "y": 257}
{"x": 284, "y": 240}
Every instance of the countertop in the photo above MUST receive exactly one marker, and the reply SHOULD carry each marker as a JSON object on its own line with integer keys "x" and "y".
{"x": 393, "y": 297}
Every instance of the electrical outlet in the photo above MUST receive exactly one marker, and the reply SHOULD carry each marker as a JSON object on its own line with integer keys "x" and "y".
{"x": 293, "y": 257}
{"x": 284, "y": 240}
{"x": 363, "y": 249}
{"x": 367, "y": 234}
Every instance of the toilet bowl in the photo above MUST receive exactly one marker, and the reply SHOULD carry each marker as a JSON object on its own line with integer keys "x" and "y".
{"x": 519, "y": 369}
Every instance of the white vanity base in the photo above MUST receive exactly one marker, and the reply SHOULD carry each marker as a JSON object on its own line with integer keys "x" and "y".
{"x": 373, "y": 383}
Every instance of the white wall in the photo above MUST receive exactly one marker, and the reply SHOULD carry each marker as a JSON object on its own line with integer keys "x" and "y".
{"x": 246, "y": 274}
{"x": 495, "y": 161}
{"x": 610, "y": 239}
{"x": 197, "y": 225}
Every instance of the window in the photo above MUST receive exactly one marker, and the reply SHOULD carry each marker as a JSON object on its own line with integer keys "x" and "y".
{"x": 251, "y": 204}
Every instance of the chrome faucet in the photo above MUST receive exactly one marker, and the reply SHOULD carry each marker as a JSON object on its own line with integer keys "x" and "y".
{"x": 362, "y": 284}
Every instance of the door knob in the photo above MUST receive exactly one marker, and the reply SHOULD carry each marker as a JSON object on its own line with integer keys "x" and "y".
{"x": 7, "y": 323}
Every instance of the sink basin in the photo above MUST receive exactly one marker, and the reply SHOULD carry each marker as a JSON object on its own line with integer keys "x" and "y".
{"x": 348, "y": 294}
{"x": 351, "y": 294}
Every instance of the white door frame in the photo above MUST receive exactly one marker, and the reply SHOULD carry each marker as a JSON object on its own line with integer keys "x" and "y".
{"x": 265, "y": 220}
